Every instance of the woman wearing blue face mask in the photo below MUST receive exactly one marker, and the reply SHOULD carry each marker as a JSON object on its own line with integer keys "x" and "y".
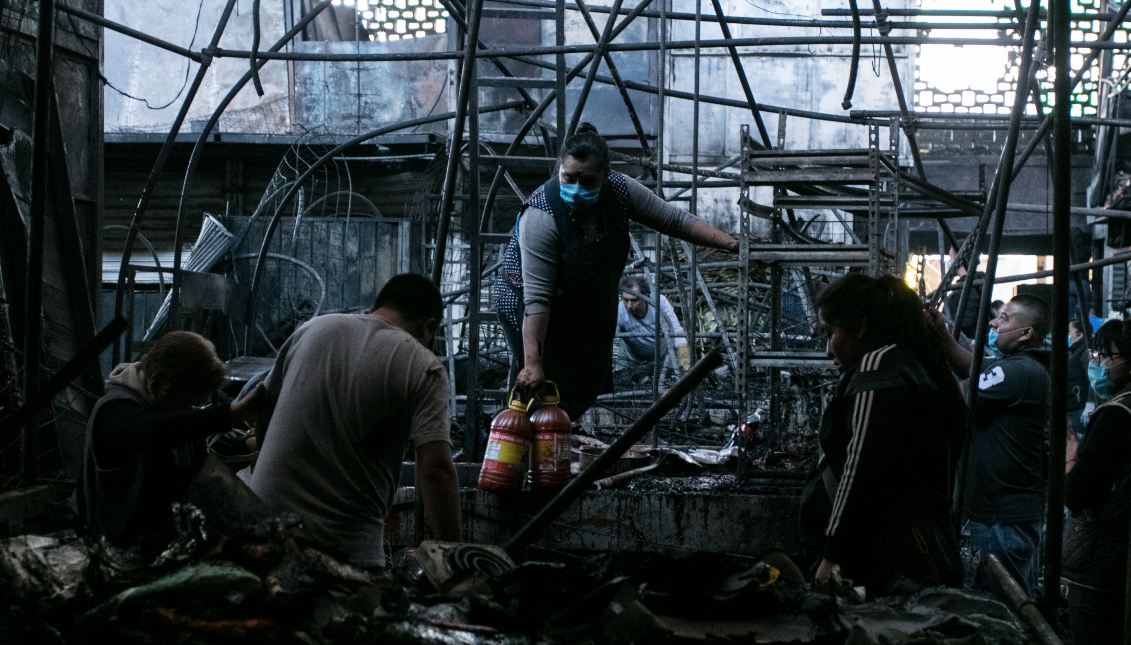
{"x": 1098, "y": 494}
{"x": 557, "y": 299}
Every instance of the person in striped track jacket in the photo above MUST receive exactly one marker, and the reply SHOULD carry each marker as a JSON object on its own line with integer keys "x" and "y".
{"x": 876, "y": 508}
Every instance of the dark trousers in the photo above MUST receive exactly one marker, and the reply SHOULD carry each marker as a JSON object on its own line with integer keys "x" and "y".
{"x": 1016, "y": 545}
{"x": 1095, "y": 617}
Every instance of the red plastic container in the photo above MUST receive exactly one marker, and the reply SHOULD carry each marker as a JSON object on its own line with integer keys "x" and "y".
{"x": 549, "y": 469}
{"x": 508, "y": 449}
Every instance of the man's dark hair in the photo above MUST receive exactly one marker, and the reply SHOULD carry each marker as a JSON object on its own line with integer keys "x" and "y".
{"x": 1036, "y": 314}
{"x": 586, "y": 145}
{"x": 635, "y": 283}
{"x": 412, "y": 295}
{"x": 187, "y": 362}
{"x": 1075, "y": 322}
{"x": 996, "y": 306}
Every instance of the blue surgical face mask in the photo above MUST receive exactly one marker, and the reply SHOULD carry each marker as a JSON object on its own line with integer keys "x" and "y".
{"x": 991, "y": 344}
{"x": 577, "y": 195}
{"x": 991, "y": 341}
{"x": 1101, "y": 384}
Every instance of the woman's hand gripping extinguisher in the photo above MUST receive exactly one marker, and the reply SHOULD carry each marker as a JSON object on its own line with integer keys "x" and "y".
{"x": 549, "y": 469}
{"x": 508, "y": 449}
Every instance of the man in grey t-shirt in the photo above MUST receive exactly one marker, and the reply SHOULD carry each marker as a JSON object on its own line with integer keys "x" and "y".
{"x": 350, "y": 393}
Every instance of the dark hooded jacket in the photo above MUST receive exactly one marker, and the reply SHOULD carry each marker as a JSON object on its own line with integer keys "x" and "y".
{"x": 1098, "y": 493}
{"x": 137, "y": 461}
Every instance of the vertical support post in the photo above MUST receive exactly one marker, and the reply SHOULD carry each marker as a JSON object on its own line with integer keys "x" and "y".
{"x": 560, "y": 63}
{"x": 158, "y": 167}
{"x": 598, "y": 56}
{"x": 661, "y": 93}
{"x": 40, "y": 163}
{"x": 1061, "y": 210}
{"x": 742, "y": 323}
{"x": 178, "y": 241}
{"x": 131, "y": 298}
{"x": 892, "y": 193}
{"x": 777, "y": 278}
{"x": 875, "y": 243}
{"x": 447, "y": 198}
{"x": 1003, "y": 181}
{"x": 693, "y": 260}
{"x": 657, "y": 350}
{"x": 474, "y": 254}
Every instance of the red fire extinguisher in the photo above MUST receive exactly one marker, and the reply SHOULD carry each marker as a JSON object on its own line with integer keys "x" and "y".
{"x": 550, "y": 467}
{"x": 508, "y": 449}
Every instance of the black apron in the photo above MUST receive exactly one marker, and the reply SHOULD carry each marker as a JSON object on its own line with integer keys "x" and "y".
{"x": 583, "y": 312}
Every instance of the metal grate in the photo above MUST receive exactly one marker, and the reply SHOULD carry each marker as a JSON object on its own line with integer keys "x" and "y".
{"x": 1085, "y": 99}
{"x": 385, "y": 20}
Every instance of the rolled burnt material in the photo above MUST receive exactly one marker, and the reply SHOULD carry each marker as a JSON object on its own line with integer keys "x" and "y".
{"x": 575, "y": 488}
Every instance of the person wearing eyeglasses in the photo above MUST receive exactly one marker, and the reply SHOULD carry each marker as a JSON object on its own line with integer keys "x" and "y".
{"x": 1005, "y": 490}
{"x": 145, "y": 438}
{"x": 1097, "y": 493}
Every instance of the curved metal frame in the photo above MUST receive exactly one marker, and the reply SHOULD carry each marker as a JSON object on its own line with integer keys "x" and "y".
{"x": 362, "y": 138}
{"x": 152, "y": 252}
{"x": 205, "y": 132}
{"x": 301, "y": 265}
{"x": 361, "y": 198}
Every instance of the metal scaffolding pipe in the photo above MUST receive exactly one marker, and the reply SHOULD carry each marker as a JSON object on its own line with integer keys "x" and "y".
{"x": 1037, "y": 275}
{"x": 998, "y": 202}
{"x": 785, "y": 22}
{"x": 33, "y": 299}
{"x": 549, "y": 97}
{"x": 775, "y": 41}
{"x": 447, "y": 197}
{"x": 641, "y": 136}
{"x": 599, "y": 54}
{"x": 155, "y": 173}
{"x": 1061, "y": 237}
{"x": 202, "y": 140}
{"x": 732, "y": 48}
{"x": 1043, "y": 129}
{"x": 96, "y": 19}
{"x": 908, "y": 126}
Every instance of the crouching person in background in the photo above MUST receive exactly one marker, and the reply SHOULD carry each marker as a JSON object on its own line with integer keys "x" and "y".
{"x": 145, "y": 439}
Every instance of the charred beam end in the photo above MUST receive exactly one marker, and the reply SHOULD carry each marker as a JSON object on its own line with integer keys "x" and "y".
{"x": 575, "y": 488}
{"x": 1022, "y": 603}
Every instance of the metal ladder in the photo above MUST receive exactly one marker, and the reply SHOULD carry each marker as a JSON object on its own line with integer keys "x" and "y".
{"x": 478, "y": 240}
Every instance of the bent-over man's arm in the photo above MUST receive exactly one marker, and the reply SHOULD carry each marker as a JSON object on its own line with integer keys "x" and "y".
{"x": 439, "y": 488}
{"x": 436, "y": 480}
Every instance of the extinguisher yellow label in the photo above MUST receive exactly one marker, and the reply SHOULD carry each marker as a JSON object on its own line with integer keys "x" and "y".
{"x": 512, "y": 453}
{"x": 505, "y": 450}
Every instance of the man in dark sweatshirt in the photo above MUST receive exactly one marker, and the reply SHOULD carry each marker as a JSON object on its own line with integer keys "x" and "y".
{"x": 1005, "y": 491}
{"x": 145, "y": 438}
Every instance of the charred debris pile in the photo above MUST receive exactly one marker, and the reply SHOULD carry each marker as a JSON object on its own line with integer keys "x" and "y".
{"x": 263, "y": 583}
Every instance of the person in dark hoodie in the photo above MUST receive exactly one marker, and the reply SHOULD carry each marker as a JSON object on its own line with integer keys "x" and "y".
{"x": 1096, "y": 491}
{"x": 1005, "y": 493}
{"x": 145, "y": 438}
{"x": 876, "y": 509}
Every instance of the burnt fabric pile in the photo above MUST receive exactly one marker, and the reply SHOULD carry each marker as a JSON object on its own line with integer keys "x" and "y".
{"x": 261, "y": 583}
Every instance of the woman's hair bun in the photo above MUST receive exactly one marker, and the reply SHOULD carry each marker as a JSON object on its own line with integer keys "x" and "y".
{"x": 585, "y": 126}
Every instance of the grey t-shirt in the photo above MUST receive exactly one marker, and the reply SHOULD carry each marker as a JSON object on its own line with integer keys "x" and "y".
{"x": 540, "y": 244}
{"x": 353, "y": 391}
